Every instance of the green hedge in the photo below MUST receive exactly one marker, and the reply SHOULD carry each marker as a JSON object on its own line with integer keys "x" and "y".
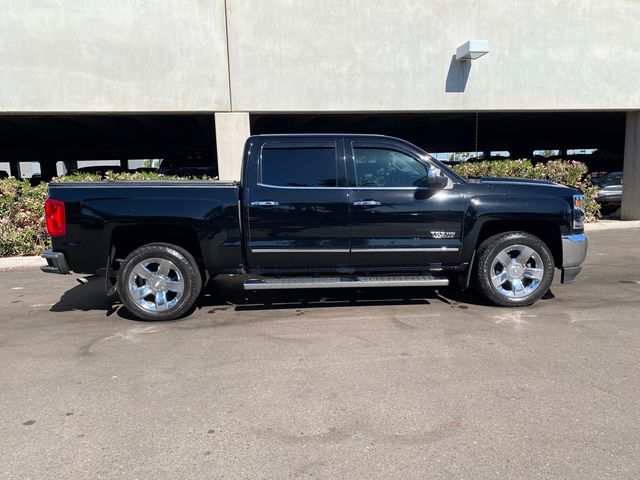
{"x": 565, "y": 172}
{"x": 22, "y": 226}
{"x": 23, "y": 230}
{"x": 113, "y": 176}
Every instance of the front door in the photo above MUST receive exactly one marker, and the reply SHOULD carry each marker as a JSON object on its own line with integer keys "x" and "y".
{"x": 397, "y": 221}
{"x": 297, "y": 208}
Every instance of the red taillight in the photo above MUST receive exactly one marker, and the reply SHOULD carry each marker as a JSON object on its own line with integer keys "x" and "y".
{"x": 54, "y": 213}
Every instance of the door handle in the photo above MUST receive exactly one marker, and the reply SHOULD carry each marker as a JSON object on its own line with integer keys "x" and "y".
{"x": 264, "y": 203}
{"x": 367, "y": 203}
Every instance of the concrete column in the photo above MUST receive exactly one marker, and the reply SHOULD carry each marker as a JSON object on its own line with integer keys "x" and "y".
{"x": 232, "y": 130}
{"x": 48, "y": 170}
{"x": 70, "y": 165}
{"x": 631, "y": 182}
{"x": 14, "y": 167}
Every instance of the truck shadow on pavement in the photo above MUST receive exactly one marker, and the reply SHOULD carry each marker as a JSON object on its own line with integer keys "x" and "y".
{"x": 86, "y": 297}
{"x": 227, "y": 292}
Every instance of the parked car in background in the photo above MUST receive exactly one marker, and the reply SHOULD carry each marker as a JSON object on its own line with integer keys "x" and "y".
{"x": 188, "y": 167}
{"x": 609, "y": 194}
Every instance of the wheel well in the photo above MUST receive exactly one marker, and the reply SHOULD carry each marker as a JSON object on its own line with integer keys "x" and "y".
{"x": 126, "y": 239}
{"x": 549, "y": 233}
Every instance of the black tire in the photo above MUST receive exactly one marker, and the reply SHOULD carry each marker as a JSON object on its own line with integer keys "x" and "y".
{"x": 489, "y": 265}
{"x": 184, "y": 269}
{"x": 607, "y": 210}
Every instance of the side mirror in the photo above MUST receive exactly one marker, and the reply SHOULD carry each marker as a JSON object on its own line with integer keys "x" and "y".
{"x": 430, "y": 185}
{"x": 438, "y": 182}
{"x": 434, "y": 181}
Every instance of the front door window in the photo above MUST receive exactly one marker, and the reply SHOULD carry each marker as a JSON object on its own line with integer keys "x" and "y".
{"x": 383, "y": 168}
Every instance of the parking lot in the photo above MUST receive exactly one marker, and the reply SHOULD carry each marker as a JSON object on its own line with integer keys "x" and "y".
{"x": 392, "y": 383}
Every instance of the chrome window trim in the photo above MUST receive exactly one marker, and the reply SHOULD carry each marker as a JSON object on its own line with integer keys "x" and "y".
{"x": 146, "y": 184}
{"x": 266, "y": 185}
{"x": 386, "y": 188}
{"x": 300, "y": 188}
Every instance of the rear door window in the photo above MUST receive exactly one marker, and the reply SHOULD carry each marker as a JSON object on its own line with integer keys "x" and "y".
{"x": 299, "y": 166}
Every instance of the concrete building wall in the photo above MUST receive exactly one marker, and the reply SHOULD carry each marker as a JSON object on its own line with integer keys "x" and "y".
{"x": 337, "y": 55}
{"x": 329, "y": 55}
{"x": 113, "y": 55}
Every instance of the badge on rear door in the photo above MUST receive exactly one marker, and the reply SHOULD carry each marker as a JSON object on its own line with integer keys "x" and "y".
{"x": 441, "y": 235}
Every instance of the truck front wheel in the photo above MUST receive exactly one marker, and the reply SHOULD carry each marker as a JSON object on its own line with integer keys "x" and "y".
{"x": 159, "y": 281}
{"x": 514, "y": 269}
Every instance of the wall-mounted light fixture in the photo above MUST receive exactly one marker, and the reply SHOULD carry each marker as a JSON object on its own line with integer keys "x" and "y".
{"x": 472, "y": 49}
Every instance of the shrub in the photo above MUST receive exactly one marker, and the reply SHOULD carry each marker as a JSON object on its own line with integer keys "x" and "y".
{"x": 22, "y": 225}
{"x": 119, "y": 176}
{"x": 564, "y": 172}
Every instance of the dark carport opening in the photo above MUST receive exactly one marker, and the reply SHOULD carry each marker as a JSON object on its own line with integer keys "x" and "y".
{"x": 42, "y": 141}
{"x": 519, "y": 133}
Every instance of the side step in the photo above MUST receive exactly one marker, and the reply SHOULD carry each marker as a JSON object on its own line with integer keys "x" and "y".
{"x": 346, "y": 282}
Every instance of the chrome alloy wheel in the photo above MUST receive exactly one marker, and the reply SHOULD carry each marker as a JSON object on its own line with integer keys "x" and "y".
{"x": 156, "y": 284}
{"x": 517, "y": 271}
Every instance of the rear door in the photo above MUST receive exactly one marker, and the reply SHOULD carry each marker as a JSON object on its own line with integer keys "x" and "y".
{"x": 297, "y": 206}
{"x": 397, "y": 222}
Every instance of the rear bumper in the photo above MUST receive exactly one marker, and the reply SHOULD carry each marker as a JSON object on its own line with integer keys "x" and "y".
{"x": 609, "y": 198}
{"x": 56, "y": 262}
{"x": 574, "y": 251}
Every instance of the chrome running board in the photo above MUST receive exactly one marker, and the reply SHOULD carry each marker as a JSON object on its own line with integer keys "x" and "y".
{"x": 346, "y": 282}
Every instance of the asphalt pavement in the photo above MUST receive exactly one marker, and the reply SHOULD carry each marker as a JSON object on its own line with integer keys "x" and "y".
{"x": 370, "y": 384}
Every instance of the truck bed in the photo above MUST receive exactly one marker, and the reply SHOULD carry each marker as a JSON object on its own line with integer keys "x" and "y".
{"x": 99, "y": 214}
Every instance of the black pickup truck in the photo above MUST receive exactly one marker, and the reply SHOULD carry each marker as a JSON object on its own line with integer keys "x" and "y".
{"x": 318, "y": 211}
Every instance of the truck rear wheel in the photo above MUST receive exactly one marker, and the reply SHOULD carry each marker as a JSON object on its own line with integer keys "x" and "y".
{"x": 159, "y": 281}
{"x": 514, "y": 269}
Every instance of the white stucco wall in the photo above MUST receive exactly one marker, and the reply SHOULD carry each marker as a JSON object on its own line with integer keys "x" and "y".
{"x": 112, "y": 55}
{"x": 329, "y": 55}
{"x": 336, "y": 55}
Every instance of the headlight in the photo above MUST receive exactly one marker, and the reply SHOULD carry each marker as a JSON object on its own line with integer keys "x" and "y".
{"x": 578, "y": 212}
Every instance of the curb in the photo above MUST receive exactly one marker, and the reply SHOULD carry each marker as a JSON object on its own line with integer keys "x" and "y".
{"x": 18, "y": 263}
{"x": 611, "y": 225}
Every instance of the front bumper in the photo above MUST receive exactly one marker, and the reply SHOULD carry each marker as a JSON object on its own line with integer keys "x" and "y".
{"x": 574, "y": 251}
{"x": 56, "y": 262}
